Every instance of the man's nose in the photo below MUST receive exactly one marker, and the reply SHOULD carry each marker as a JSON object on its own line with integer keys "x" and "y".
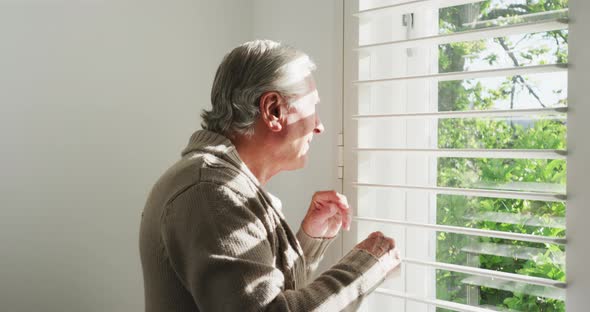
{"x": 319, "y": 126}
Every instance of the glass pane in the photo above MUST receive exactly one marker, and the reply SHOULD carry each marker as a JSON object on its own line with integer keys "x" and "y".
{"x": 503, "y": 52}
{"x": 511, "y": 215}
{"x": 518, "y": 132}
{"x": 534, "y": 175}
{"x": 492, "y": 13}
{"x": 376, "y": 28}
{"x": 503, "y": 133}
{"x": 544, "y": 218}
{"x": 531, "y": 175}
{"x": 491, "y": 93}
{"x": 527, "y": 49}
{"x": 496, "y": 294}
{"x": 550, "y": 90}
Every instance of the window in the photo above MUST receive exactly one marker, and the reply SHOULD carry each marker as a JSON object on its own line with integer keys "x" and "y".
{"x": 455, "y": 145}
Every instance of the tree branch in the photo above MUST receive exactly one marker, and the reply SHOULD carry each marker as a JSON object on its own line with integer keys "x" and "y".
{"x": 560, "y": 34}
{"x": 531, "y": 91}
{"x": 518, "y": 78}
{"x": 512, "y": 92}
{"x": 507, "y": 49}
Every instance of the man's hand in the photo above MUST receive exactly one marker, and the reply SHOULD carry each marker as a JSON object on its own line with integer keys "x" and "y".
{"x": 377, "y": 244}
{"x": 328, "y": 212}
{"x": 382, "y": 248}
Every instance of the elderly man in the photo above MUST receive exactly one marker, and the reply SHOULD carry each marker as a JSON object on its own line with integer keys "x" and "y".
{"x": 213, "y": 239}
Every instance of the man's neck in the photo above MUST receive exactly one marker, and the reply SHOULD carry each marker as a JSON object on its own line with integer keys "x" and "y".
{"x": 257, "y": 156}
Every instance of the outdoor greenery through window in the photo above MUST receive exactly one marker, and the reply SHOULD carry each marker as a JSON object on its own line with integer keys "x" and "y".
{"x": 545, "y": 218}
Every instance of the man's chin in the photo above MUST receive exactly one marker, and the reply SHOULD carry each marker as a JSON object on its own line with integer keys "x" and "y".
{"x": 298, "y": 163}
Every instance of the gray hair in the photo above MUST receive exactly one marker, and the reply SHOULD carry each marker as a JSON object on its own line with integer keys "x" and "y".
{"x": 247, "y": 72}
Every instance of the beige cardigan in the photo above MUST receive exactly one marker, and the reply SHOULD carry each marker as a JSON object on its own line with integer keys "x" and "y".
{"x": 212, "y": 239}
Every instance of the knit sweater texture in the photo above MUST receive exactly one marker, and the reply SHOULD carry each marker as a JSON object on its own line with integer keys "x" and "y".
{"x": 212, "y": 239}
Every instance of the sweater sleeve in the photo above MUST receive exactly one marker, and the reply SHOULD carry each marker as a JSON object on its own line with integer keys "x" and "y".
{"x": 314, "y": 249}
{"x": 220, "y": 251}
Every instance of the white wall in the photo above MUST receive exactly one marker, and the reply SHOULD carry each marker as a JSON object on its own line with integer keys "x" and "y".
{"x": 97, "y": 98}
{"x": 316, "y": 28}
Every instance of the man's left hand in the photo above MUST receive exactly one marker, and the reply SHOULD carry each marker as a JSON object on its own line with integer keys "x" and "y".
{"x": 328, "y": 212}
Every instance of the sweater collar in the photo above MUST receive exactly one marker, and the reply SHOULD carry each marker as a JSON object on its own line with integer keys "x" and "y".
{"x": 214, "y": 143}
{"x": 220, "y": 146}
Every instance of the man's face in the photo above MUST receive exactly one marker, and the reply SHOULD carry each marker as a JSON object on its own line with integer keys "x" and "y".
{"x": 302, "y": 123}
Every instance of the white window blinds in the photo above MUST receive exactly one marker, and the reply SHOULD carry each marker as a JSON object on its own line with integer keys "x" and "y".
{"x": 455, "y": 145}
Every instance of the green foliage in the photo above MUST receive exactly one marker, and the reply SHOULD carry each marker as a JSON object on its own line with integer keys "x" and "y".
{"x": 484, "y": 173}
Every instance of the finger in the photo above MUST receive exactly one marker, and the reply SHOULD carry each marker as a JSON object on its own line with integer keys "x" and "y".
{"x": 328, "y": 212}
{"x": 344, "y": 213}
{"x": 383, "y": 245}
{"x": 337, "y": 217}
{"x": 375, "y": 234}
{"x": 320, "y": 201}
{"x": 342, "y": 199}
{"x": 331, "y": 196}
{"x": 345, "y": 210}
{"x": 324, "y": 195}
{"x": 347, "y": 218}
{"x": 389, "y": 242}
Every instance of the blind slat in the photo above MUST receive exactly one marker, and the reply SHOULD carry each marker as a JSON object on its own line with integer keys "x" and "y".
{"x": 557, "y": 197}
{"x": 514, "y": 218}
{"x": 523, "y": 70}
{"x": 476, "y": 153}
{"x": 489, "y": 273}
{"x": 470, "y": 231}
{"x": 471, "y": 113}
{"x": 531, "y": 290}
{"x": 435, "y": 302}
{"x": 409, "y": 6}
{"x": 474, "y": 34}
{"x": 510, "y": 251}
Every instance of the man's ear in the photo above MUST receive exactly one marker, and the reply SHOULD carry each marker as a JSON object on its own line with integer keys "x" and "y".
{"x": 271, "y": 110}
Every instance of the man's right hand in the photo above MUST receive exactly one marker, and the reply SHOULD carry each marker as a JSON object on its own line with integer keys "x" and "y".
{"x": 383, "y": 248}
